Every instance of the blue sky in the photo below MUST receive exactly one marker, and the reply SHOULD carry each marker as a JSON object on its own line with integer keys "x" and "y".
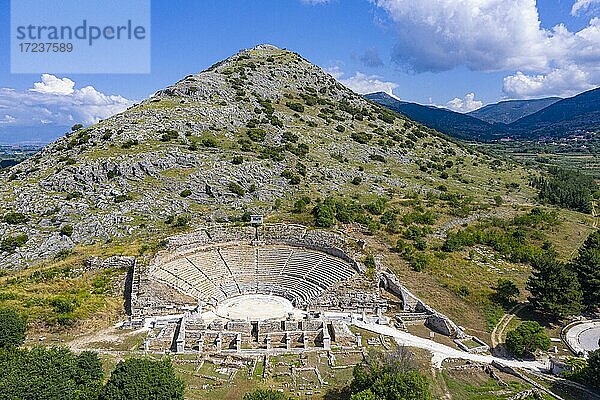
{"x": 455, "y": 53}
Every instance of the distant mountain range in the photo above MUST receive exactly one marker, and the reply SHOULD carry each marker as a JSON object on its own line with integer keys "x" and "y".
{"x": 520, "y": 119}
{"x": 507, "y": 112}
{"x": 460, "y": 126}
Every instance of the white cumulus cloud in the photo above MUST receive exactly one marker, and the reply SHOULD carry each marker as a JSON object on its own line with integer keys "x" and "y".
{"x": 50, "y": 84}
{"x": 362, "y": 83}
{"x": 56, "y": 101}
{"x": 438, "y": 35}
{"x": 583, "y": 5}
{"x": 496, "y": 35}
{"x": 563, "y": 82}
{"x": 464, "y": 105}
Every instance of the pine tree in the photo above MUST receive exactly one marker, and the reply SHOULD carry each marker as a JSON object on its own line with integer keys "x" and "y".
{"x": 554, "y": 287}
{"x": 587, "y": 267}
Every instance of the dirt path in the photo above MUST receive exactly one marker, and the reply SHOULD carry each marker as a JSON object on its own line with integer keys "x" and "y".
{"x": 442, "y": 352}
{"x": 498, "y": 331}
{"x": 112, "y": 334}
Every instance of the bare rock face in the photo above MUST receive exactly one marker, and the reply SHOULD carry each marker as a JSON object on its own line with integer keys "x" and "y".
{"x": 251, "y": 133}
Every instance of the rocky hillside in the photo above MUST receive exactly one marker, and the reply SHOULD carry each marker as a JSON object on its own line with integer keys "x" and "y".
{"x": 253, "y": 133}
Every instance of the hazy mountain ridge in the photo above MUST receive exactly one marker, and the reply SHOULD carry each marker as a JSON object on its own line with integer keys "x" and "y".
{"x": 460, "y": 126}
{"x": 507, "y": 112}
{"x": 559, "y": 119}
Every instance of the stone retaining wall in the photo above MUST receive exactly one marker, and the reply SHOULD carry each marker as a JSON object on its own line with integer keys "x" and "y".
{"x": 435, "y": 320}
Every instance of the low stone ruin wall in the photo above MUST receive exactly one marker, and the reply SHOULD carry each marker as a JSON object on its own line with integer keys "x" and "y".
{"x": 115, "y": 262}
{"x": 185, "y": 334}
{"x": 435, "y": 320}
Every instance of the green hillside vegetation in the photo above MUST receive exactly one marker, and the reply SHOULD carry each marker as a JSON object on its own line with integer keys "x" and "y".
{"x": 266, "y": 132}
{"x": 392, "y": 178}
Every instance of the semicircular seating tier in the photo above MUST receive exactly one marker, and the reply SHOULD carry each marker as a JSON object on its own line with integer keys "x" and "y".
{"x": 214, "y": 274}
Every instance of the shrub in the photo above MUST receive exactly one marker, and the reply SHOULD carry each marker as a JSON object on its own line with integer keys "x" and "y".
{"x": 73, "y": 195}
{"x": 340, "y": 128}
{"x": 112, "y": 174}
{"x": 76, "y": 127}
{"x": 301, "y": 150}
{"x": 66, "y": 230}
{"x": 369, "y": 261}
{"x": 298, "y": 107}
{"x": 63, "y": 305}
{"x": 357, "y": 180}
{"x": 11, "y": 243}
{"x": 377, "y": 157}
{"x": 12, "y": 328}
{"x": 168, "y": 135}
{"x": 361, "y": 137}
{"x": 418, "y": 262}
{"x": 300, "y": 204}
{"x": 324, "y": 214}
{"x": 142, "y": 379}
{"x": 246, "y": 217}
{"x": 182, "y": 221}
{"x": 290, "y": 137}
{"x": 185, "y": 193}
{"x": 14, "y": 218}
{"x": 210, "y": 142}
{"x": 506, "y": 292}
{"x": 236, "y": 188}
{"x": 387, "y": 117}
{"x": 528, "y": 337}
{"x": 121, "y": 198}
{"x": 129, "y": 143}
{"x": 388, "y": 377}
{"x": 256, "y": 134}
{"x": 377, "y": 207}
{"x": 237, "y": 160}
{"x": 107, "y": 135}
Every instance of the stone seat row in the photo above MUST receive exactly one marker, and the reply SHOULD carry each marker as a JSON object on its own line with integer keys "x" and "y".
{"x": 299, "y": 274}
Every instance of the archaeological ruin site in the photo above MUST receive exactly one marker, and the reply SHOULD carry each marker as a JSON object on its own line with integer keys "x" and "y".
{"x": 273, "y": 287}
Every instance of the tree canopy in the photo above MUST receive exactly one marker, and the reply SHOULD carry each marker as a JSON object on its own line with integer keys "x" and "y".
{"x": 143, "y": 379}
{"x": 389, "y": 376}
{"x": 13, "y": 327}
{"x": 587, "y": 268}
{"x": 528, "y": 337}
{"x": 568, "y": 189}
{"x": 593, "y": 369}
{"x": 554, "y": 287}
{"x": 506, "y": 291}
{"x": 54, "y": 373}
